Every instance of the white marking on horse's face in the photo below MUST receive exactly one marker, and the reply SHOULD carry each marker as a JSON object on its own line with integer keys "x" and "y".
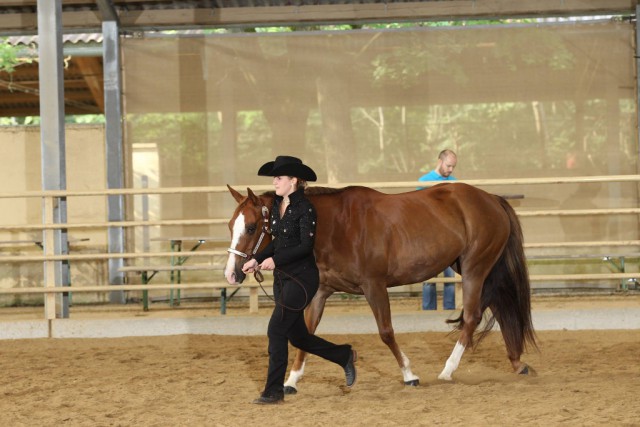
{"x": 238, "y": 231}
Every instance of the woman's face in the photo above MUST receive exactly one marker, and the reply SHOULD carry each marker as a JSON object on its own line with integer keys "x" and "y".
{"x": 284, "y": 185}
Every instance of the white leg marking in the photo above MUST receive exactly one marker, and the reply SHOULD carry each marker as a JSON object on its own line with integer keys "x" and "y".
{"x": 452, "y": 362}
{"x": 238, "y": 231}
{"x": 407, "y": 375}
{"x": 294, "y": 376}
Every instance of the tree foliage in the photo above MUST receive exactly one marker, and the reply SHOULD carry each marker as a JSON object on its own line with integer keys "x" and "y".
{"x": 8, "y": 57}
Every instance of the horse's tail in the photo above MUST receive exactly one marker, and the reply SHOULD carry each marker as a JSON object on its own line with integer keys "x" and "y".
{"x": 507, "y": 293}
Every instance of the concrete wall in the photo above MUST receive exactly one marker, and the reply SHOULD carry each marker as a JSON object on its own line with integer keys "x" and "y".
{"x": 21, "y": 172}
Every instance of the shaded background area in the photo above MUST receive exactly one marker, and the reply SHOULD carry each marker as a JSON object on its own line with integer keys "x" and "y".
{"x": 367, "y": 106}
{"x": 377, "y": 106}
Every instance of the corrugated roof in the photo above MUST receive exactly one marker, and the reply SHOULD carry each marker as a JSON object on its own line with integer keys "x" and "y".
{"x": 67, "y": 38}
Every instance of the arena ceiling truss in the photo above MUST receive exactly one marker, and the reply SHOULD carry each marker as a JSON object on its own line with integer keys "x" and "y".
{"x": 82, "y": 30}
{"x": 20, "y": 16}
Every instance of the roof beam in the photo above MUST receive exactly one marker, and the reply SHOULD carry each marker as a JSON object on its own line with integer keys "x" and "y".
{"x": 107, "y": 10}
{"x": 380, "y": 12}
{"x": 356, "y": 12}
{"x": 91, "y": 70}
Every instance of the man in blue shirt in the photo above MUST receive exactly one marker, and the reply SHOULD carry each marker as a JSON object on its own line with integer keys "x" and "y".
{"x": 447, "y": 161}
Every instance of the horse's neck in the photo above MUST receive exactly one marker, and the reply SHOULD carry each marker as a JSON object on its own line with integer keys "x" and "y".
{"x": 268, "y": 199}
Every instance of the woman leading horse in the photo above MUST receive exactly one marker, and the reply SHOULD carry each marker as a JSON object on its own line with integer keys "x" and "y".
{"x": 296, "y": 278}
{"x": 367, "y": 241}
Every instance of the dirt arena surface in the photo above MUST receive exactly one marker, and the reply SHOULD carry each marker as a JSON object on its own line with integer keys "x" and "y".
{"x": 337, "y": 304}
{"x": 583, "y": 378}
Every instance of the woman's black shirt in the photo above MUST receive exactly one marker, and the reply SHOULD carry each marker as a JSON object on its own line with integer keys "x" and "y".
{"x": 293, "y": 235}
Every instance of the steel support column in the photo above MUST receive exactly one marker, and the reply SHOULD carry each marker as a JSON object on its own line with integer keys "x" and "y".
{"x": 52, "y": 135}
{"x": 637, "y": 32}
{"x": 114, "y": 149}
{"x": 637, "y": 85}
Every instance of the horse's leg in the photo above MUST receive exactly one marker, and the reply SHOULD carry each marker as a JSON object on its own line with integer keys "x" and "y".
{"x": 312, "y": 316}
{"x": 519, "y": 367}
{"x": 513, "y": 352}
{"x": 378, "y": 299}
{"x": 472, "y": 290}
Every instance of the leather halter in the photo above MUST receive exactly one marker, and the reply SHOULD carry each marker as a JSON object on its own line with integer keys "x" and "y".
{"x": 265, "y": 230}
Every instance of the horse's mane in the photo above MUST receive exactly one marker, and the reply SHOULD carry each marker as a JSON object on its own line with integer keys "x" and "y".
{"x": 311, "y": 191}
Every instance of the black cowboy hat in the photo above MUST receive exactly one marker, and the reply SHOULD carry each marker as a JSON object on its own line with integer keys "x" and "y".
{"x": 288, "y": 166}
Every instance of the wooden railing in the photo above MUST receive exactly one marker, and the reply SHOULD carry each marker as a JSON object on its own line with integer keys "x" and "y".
{"x": 50, "y": 258}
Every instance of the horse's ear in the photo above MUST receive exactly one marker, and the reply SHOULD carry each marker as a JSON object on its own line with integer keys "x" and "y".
{"x": 239, "y": 197}
{"x": 253, "y": 197}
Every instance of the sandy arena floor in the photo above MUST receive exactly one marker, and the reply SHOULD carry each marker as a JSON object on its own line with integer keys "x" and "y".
{"x": 583, "y": 378}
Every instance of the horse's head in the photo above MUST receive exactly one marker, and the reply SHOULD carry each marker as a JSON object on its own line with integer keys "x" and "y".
{"x": 250, "y": 232}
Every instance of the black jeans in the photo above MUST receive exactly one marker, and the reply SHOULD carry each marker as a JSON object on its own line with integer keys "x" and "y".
{"x": 292, "y": 294}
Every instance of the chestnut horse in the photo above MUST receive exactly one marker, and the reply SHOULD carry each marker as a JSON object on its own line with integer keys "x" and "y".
{"x": 367, "y": 241}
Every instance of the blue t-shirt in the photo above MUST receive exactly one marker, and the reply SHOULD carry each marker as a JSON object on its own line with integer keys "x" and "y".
{"x": 435, "y": 176}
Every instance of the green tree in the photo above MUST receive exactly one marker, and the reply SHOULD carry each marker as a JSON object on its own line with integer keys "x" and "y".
{"x": 8, "y": 56}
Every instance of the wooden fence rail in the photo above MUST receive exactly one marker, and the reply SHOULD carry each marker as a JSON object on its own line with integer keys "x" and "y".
{"x": 379, "y": 185}
{"x": 218, "y": 221}
{"x": 48, "y": 227}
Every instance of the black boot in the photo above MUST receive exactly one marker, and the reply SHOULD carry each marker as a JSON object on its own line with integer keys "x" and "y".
{"x": 269, "y": 399}
{"x": 350, "y": 368}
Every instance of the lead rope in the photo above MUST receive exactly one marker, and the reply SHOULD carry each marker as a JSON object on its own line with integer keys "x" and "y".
{"x": 257, "y": 274}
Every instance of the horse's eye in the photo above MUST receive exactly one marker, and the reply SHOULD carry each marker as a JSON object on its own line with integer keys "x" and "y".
{"x": 251, "y": 229}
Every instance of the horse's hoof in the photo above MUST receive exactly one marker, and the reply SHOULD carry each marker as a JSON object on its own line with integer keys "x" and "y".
{"x": 290, "y": 390}
{"x": 526, "y": 370}
{"x": 413, "y": 383}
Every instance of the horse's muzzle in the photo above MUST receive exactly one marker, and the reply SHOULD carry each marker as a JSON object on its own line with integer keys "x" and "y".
{"x": 234, "y": 277}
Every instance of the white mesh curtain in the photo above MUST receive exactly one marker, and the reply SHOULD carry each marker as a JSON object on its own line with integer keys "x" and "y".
{"x": 370, "y": 106}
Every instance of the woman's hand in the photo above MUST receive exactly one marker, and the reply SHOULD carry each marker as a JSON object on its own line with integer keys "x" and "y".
{"x": 268, "y": 264}
{"x": 250, "y": 266}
